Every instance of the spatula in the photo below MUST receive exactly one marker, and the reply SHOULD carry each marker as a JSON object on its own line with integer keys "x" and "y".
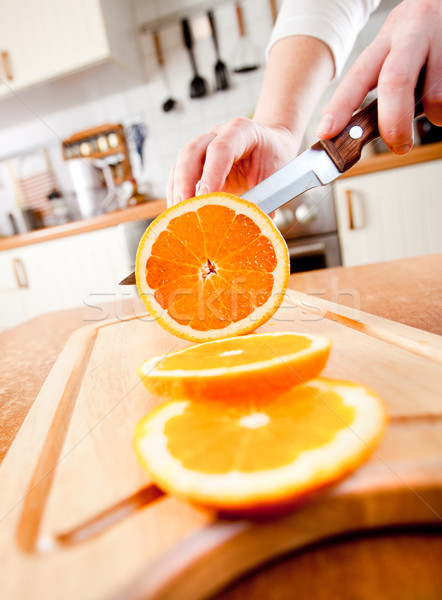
{"x": 198, "y": 85}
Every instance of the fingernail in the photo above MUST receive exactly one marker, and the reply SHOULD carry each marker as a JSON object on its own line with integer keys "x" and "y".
{"x": 325, "y": 125}
{"x": 404, "y": 149}
{"x": 177, "y": 199}
{"x": 201, "y": 188}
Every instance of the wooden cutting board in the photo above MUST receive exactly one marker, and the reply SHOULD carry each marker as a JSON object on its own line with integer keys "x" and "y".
{"x": 80, "y": 518}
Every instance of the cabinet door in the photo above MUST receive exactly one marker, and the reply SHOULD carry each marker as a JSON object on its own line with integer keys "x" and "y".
{"x": 13, "y": 289}
{"x": 81, "y": 270}
{"x": 390, "y": 214}
{"x": 43, "y": 39}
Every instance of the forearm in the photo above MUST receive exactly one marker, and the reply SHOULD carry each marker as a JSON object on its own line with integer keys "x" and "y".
{"x": 293, "y": 86}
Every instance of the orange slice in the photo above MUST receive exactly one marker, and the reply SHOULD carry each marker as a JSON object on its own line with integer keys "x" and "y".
{"x": 249, "y": 366}
{"x": 252, "y": 458}
{"x": 212, "y": 267}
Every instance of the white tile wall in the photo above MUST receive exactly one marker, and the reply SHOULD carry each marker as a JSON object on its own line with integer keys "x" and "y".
{"x": 167, "y": 132}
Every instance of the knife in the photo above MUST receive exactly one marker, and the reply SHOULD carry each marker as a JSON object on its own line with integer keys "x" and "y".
{"x": 321, "y": 164}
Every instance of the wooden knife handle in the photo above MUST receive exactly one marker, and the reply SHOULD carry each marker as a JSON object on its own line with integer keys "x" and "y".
{"x": 346, "y": 147}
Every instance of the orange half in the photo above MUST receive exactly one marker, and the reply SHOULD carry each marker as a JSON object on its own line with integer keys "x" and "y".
{"x": 212, "y": 267}
{"x": 250, "y": 366}
{"x": 249, "y": 458}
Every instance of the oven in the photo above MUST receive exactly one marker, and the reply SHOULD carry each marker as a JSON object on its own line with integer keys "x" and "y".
{"x": 308, "y": 224}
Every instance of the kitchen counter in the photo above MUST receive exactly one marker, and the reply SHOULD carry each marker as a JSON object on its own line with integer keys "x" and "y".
{"x": 408, "y": 291}
{"x": 152, "y": 208}
{"x": 388, "y": 160}
{"x": 146, "y": 211}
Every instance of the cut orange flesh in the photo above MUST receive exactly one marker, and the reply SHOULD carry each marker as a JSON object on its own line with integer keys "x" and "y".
{"x": 251, "y": 366}
{"x": 246, "y": 457}
{"x": 212, "y": 267}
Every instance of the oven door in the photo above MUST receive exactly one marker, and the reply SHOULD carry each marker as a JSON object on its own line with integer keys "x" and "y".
{"x": 314, "y": 252}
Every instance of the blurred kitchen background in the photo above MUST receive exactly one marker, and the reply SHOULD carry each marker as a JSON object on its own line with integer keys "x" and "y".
{"x": 95, "y": 102}
{"x": 74, "y": 66}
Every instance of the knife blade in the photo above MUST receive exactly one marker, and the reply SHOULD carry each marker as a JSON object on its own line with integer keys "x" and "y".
{"x": 321, "y": 164}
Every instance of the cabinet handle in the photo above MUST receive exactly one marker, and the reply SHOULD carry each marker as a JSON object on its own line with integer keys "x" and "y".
{"x": 20, "y": 273}
{"x": 351, "y": 222}
{"x": 6, "y": 61}
{"x": 307, "y": 249}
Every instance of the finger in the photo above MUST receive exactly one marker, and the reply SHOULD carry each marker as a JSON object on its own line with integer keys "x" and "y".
{"x": 189, "y": 166}
{"x": 397, "y": 82}
{"x": 433, "y": 85}
{"x": 353, "y": 89}
{"x": 169, "y": 187}
{"x": 233, "y": 142}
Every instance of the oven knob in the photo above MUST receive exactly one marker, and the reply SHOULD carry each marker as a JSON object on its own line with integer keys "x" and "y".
{"x": 306, "y": 213}
{"x": 284, "y": 218}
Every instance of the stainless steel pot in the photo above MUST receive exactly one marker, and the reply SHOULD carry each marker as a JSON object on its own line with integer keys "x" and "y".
{"x": 82, "y": 186}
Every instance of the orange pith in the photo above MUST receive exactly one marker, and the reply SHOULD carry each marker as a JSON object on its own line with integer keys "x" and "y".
{"x": 250, "y": 366}
{"x": 208, "y": 265}
{"x": 247, "y": 457}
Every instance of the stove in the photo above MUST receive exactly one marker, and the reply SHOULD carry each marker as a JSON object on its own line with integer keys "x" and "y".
{"x": 308, "y": 224}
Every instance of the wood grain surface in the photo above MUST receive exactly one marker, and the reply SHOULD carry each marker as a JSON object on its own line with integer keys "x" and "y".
{"x": 80, "y": 518}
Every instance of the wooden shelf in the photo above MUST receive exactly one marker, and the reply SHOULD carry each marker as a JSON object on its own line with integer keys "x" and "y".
{"x": 122, "y": 170}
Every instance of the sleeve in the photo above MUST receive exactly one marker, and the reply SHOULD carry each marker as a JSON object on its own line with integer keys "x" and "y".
{"x": 336, "y": 22}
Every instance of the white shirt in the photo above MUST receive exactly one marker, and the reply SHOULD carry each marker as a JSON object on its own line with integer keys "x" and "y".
{"x": 335, "y": 22}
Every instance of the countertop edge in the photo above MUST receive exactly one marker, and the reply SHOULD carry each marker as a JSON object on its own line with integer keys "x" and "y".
{"x": 148, "y": 210}
{"x": 388, "y": 160}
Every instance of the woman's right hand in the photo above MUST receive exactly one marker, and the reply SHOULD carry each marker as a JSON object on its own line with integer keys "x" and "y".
{"x": 232, "y": 157}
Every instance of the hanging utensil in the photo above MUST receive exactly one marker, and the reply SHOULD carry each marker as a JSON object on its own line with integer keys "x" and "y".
{"x": 273, "y": 10}
{"x": 170, "y": 103}
{"x": 221, "y": 70}
{"x": 244, "y": 57}
{"x": 198, "y": 85}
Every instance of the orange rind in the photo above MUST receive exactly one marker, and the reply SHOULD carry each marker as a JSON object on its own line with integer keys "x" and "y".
{"x": 240, "y": 458}
{"x": 257, "y": 365}
{"x": 212, "y": 267}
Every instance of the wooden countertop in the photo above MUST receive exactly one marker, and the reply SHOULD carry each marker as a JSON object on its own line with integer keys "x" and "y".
{"x": 152, "y": 208}
{"x": 408, "y": 291}
{"x": 388, "y": 160}
{"x": 148, "y": 210}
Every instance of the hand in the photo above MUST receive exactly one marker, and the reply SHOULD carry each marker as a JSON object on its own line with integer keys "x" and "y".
{"x": 409, "y": 40}
{"x": 232, "y": 157}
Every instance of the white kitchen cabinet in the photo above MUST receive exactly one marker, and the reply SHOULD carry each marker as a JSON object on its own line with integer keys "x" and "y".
{"x": 13, "y": 289}
{"x": 391, "y": 214}
{"x": 80, "y": 270}
{"x": 40, "y": 41}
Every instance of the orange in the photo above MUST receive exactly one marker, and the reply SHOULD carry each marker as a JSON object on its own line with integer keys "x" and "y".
{"x": 251, "y": 366}
{"x": 212, "y": 267}
{"x": 252, "y": 458}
